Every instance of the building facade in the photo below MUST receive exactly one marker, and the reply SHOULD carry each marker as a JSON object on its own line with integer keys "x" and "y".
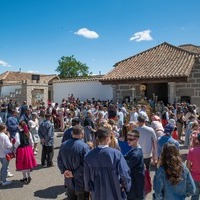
{"x": 32, "y": 88}
{"x": 164, "y": 72}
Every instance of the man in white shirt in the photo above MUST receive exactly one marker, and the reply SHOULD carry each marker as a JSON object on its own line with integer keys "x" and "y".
{"x": 143, "y": 112}
{"x": 124, "y": 110}
{"x": 134, "y": 114}
{"x": 147, "y": 141}
{"x": 120, "y": 114}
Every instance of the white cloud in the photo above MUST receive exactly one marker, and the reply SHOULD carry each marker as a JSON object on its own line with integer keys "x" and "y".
{"x": 87, "y": 33}
{"x": 142, "y": 36}
{"x": 4, "y": 64}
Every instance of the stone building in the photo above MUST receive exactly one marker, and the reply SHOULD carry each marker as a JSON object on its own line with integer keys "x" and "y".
{"x": 164, "y": 72}
{"x": 29, "y": 87}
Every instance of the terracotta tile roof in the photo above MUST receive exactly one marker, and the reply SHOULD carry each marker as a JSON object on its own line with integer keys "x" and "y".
{"x": 48, "y": 78}
{"x": 21, "y": 76}
{"x": 191, "y": 48}
{"x": 15, "y": 76}
{"x": 160, "y": 62}
{"x": 80, "y": 79}
{"x": 3, "y": 75}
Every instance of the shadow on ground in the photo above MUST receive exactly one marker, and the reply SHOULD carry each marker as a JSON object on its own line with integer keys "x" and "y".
{"x": 51, "y": 192}
{"x": 15, "y": 184}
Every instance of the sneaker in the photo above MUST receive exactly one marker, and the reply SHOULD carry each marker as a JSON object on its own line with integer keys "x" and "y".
{"x": 9, "y": 174}
{"x": 6, "y": 183}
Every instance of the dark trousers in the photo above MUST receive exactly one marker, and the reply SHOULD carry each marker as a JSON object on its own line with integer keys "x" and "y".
{"x": 147, "y": 162}
{"x": 47, "y": 155}
{"x": 73, "y": 195}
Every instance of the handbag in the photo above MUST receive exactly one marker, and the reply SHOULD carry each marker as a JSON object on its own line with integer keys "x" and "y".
{"x": 9, "y": 156}
{"x": 147, "y": 181}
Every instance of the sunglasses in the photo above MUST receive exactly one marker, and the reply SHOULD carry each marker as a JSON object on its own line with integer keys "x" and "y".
{"x": 131, "y": 139}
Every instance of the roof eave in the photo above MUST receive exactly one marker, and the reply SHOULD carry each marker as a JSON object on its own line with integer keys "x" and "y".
{"x": 143, "y": 80}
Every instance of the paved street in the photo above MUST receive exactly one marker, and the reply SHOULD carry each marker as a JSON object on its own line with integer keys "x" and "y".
{"x": 47, "y": 183}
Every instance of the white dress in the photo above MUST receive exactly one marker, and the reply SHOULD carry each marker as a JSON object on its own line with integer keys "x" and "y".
{"x": 33, "y": 125}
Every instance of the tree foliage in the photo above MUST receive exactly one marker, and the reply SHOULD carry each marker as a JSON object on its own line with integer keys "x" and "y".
{"x": 70, "y": 67}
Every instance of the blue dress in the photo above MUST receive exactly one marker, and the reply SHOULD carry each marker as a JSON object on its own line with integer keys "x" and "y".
{"x": 124, "y": 148}
{"x": 106, "y": 173}
{"x": 71, "y": 157}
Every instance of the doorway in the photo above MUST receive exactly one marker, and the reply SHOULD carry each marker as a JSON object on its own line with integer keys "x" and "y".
{"x": 158, "y": 89}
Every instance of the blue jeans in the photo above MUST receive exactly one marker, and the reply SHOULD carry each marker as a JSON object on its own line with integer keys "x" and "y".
{"x": 197, "y": 193}
{"x": 4, "y": 117}
{"x": 4, "y": 169}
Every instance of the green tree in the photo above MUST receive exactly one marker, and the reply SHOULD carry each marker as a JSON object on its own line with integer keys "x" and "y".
{"x": 70, "y": 67}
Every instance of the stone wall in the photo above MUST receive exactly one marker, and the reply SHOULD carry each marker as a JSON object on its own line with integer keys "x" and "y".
{"x": 191, "y": 88}
{"x": 123, "y": 91}
{"x": 28, "y": 92}
{"x": 126, "y": 90}
{"x": 33, "y": 90}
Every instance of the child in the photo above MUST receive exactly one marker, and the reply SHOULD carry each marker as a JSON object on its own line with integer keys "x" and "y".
{"x": 193, "y": 137}
{"x": 190, "y": 122}
{"x": 34, "y": 124}
{"x": 25, "y": 159}
{"x": 175, "y": 133}
{"x": 5, "y": 147}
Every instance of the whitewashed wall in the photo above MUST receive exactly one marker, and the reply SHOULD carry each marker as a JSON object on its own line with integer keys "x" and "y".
{"x": 7, "y": 89}
{"x": 83, "y": 90}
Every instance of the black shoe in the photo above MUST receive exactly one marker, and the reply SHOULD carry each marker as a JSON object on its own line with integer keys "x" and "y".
{"x": 51, "y": 165}
{"x": 28, "y": 180}
{"x": 23, "y": 180}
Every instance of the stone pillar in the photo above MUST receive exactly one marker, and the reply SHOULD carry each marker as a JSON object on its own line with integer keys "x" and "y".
{"x": 171, "y": 92}
{"x": 114, "y": 87}
{"x": 133, "y": 93}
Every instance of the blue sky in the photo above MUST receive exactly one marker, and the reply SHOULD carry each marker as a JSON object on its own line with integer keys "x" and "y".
{"x": 35, "y": 34}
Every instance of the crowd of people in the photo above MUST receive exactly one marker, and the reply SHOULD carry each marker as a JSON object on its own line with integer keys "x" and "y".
{"x": 107, "y": 148}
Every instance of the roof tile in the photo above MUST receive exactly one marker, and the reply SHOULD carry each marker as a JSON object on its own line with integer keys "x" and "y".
{"x": 190, "y": 48}
{"x": 164, "y": 60}
{"x": 21, "y": 76}
{"x": 80, "y": 79}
